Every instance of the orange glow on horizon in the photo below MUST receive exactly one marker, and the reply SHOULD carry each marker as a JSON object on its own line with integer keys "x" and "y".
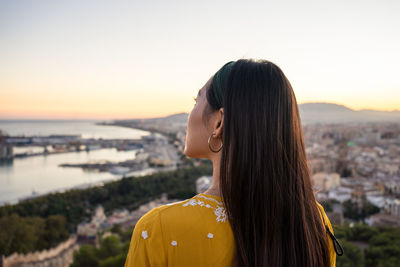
{"x": 98, "y": 113}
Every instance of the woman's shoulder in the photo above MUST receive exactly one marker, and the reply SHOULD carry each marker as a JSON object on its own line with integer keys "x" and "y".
{"x": 154, "y": 214}
{"x": 324, "y": 216}
{"x": 166, "y": 208}
{"x": 198, "y": 207}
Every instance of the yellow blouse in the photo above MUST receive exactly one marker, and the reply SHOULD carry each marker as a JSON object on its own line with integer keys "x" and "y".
{"x": 192, "y": 232}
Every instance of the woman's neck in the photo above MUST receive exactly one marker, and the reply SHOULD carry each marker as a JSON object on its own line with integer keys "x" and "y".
{"x": 214, "y": 188}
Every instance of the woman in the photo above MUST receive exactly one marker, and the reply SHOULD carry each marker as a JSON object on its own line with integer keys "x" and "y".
{"x": 260, "y": 209}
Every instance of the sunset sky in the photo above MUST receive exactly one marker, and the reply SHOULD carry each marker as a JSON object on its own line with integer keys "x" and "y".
{"x": 139, "y": 59}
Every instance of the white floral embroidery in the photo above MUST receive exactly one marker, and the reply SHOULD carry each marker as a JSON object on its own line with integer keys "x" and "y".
{"x": 221, "y": 214}
{"x": 193, "y": 202}
{"x": 144, "y": 234}
{"x": 210, "y": 235}
{"x": 219, "y": 211}
{"x": 174, "y": 243}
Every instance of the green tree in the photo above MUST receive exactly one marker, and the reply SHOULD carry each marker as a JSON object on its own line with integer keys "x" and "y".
{"x": 111, "y": 253}
{"x": 85, "y": 257}
{"x": 361, "y": 232}
{"x": 382, "y": 255}
{"x": 109, "y": 247}
{"x": 16, "y": 235}
{"x": 55, "y": 230}
{"x": 352, "y": 256}
{"x": 116, "y": 261}
{"x": 352, "y": 211}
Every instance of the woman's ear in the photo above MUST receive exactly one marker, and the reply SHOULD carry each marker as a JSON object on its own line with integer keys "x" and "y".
{"x": 219, "y": 123}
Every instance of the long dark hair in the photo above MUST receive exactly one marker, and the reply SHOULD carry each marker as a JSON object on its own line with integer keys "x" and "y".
{"x": 264, "y": 177}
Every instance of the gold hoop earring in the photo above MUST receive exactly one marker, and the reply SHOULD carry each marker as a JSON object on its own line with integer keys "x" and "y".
{"x": 215, "y": 151}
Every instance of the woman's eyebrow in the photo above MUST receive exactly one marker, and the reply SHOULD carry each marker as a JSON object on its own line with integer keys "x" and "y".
{"x": 198, "y": 93}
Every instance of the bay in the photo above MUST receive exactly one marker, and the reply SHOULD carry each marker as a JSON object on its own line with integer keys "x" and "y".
{"x": 23, "y": 177}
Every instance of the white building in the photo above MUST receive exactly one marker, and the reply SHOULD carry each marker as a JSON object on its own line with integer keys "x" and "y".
{"x": 392, "y": 206}
{"x": 340, "y": 193}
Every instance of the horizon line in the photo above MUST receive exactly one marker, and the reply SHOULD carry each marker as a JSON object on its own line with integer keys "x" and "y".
{"x": 105, "y": 118}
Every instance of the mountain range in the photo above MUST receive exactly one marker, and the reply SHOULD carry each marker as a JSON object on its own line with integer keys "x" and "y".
{"x": 310, "y": 113}
{"x": 333, "y": 113}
